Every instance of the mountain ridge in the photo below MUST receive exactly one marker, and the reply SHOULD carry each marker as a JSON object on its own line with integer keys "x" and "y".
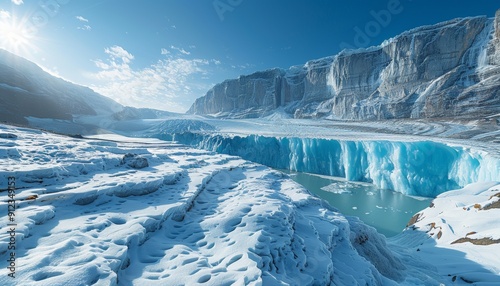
{"x": 28, "y": 91}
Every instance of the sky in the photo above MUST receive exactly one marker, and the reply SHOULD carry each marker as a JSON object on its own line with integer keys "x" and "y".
{"x": 164, "y": 54}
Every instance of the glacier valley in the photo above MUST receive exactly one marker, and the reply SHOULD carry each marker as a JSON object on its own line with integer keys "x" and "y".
{"x": 97, "y": 193}
{"x": 112, "y": 210}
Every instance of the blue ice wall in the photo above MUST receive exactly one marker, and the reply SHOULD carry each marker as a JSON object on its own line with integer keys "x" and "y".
{"x": 422, "y": 168}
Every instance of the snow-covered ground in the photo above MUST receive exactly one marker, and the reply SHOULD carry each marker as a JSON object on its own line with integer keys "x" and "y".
{"x": 119, "y": 211}
{"x": 113, "y": 210}
{"x": 279, "y": 124}
{"x": 460, "y": 234}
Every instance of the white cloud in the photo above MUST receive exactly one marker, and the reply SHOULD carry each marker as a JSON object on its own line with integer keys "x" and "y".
{"x": 169, "y": 84}
{"x": 117, "y": 52}
{"x": 81, "y": 19}
{"x": 18, "y": 2}
{"x": 243, "y": 66}
{"x": 180, "y": 50}
{"x": 165, "y": 51}
{"x": 85, "y": 28}
{"x": 4, "y": 14}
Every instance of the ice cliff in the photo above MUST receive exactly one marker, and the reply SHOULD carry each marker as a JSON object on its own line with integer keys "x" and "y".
{"x": 421, "y": 168}
{"x": 451, "y": 69}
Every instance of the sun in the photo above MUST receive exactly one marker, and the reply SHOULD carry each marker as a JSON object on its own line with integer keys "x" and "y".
{"x": 14, "y": 35}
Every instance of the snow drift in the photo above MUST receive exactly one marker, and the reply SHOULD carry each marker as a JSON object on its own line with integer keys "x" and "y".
{"x": 459, "y": 235}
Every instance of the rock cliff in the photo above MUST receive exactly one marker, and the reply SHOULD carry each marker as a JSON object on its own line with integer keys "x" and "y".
{"x": 451, "y": 69}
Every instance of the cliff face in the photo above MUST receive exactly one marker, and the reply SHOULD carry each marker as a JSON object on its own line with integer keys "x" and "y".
{"x": 451, "y": 69}
{"x": 494, "y": 51}
{"x": 245, "y": 94}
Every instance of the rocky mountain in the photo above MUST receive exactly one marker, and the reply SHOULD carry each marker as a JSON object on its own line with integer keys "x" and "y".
{"x": 27, "y": 90}
{"x": 451, "y": 69}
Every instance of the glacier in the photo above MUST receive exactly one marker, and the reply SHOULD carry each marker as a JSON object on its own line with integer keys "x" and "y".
{"x": 420, "y": 168}
{"x": 85, "y": 216}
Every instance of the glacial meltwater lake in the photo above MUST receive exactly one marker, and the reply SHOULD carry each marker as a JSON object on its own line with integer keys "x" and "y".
{"x": 387, "y": 211}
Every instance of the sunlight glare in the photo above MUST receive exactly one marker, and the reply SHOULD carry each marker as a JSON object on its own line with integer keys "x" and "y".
{"x": 14, "y": 36}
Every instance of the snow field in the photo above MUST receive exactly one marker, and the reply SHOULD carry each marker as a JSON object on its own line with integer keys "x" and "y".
{"x": 190, "y": 217}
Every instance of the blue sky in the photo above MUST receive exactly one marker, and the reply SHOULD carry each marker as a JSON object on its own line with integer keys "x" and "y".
{"x": 165, "y": 53}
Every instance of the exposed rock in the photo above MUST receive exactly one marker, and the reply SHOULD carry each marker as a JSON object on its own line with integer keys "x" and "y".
{"x": 480, "y": 241}
{"x": 494, "y": 49}
{"x": 494, "y": 205}
{"x": 416, "y": 218}
{"x": 495, "y": 195}
{"x": 30, "y": 198}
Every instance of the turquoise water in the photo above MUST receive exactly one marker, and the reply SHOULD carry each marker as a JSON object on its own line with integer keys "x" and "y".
{"x": 387, "y": 211}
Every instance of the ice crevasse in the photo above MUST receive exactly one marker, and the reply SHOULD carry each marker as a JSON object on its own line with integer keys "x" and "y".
{"x": 420, "y": 168}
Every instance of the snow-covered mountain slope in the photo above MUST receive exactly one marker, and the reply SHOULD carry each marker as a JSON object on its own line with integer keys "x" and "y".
{"x": 459, "y": 234}
{"x": 27, "y": 90}
{"x": 137, "y": 212}
{"x": 447, "y": 70}
{"x": 31, "y": 96}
